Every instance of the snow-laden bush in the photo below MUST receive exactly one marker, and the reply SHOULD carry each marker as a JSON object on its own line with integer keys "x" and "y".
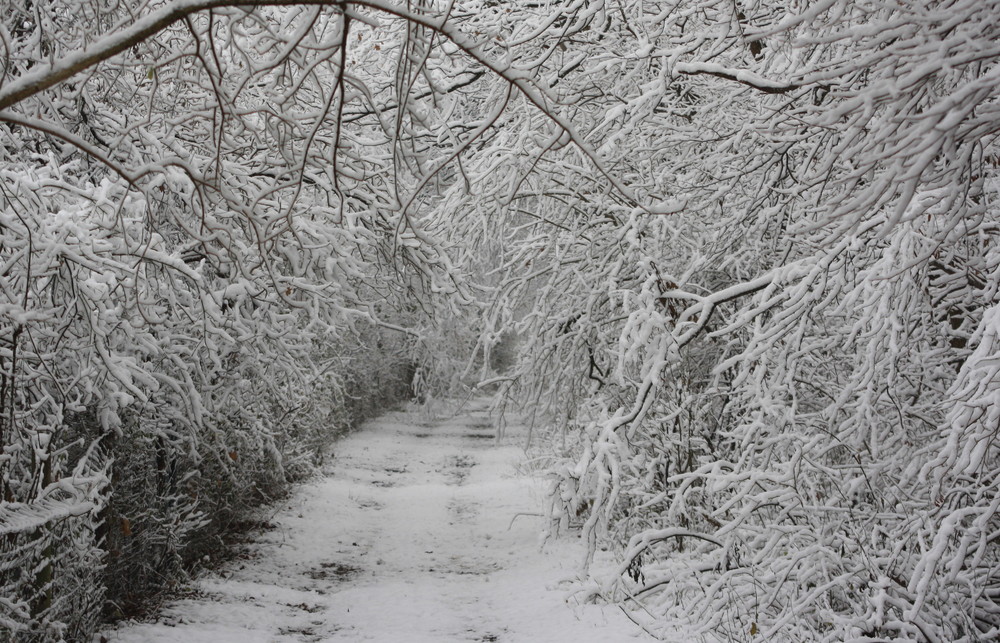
{"x": 196, "y": 297}
{"x": 777, "y": 400}
{"x": 148, "y": 402}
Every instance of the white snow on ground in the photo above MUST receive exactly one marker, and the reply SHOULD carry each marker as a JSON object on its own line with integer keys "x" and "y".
{"x": 413, "y": 536}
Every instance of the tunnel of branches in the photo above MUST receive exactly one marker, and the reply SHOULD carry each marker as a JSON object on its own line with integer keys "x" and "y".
{"x": 735, "y": 260}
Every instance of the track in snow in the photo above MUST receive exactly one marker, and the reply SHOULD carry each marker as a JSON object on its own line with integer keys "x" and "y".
{"x": 410, "y": 538}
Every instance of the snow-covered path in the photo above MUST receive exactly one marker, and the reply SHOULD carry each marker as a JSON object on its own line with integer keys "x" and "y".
{"x": 413, "y": 536}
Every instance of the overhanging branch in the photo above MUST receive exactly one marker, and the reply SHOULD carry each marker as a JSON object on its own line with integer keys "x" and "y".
{"x": 114, "y": 43}
{"x": 741, "y": 76}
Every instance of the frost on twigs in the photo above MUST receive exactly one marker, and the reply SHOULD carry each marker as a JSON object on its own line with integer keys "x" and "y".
{"x": 205, "y": 275}
{"x": 748, "y": 251}
{"x": 780, "y": 403}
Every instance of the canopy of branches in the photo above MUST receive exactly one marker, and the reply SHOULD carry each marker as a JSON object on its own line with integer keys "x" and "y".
{"x": 748, "y": 250}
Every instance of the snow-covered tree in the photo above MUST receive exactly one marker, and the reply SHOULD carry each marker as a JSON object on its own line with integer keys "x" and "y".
{"x": 208, "y": 265}
{"x": 774, "y": 397}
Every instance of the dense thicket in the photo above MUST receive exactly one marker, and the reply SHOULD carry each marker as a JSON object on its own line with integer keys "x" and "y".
{"x": 748, "y": 249}
{"x": 780, "y": 399}
{"x": 197, "y": 293}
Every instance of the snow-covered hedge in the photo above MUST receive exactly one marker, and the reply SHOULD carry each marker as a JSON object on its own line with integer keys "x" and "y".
{"x": 767, "y": 362}
{"x": 148, "y": 401}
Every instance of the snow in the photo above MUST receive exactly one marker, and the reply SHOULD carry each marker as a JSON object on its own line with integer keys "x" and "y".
{"x": 421, "y": 531}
